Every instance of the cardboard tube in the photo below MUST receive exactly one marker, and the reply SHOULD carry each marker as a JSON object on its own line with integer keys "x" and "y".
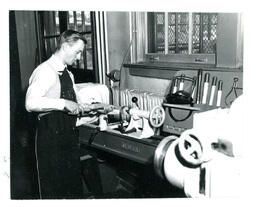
{"x": 206, "y": 86}
{"x": 219, "y": 94}
{"x": 214, "y": 82}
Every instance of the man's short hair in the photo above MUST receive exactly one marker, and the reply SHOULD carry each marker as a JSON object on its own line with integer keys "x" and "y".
{"x": 70, "y": 36}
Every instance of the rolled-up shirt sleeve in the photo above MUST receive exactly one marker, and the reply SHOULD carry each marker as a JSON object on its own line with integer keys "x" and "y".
{"x": 41, "y": 81}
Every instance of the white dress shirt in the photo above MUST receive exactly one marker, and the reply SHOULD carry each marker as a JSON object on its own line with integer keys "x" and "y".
{"x": 43, "y": 93}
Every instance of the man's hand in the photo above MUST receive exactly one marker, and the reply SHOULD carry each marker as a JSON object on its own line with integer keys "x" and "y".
{"x": 86, "y": 108}
{"x": 71, "y": 107}
{"x": 95, "y": 107}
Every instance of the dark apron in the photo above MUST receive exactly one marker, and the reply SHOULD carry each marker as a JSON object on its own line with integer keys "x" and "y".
{"x": 57, "y": 150}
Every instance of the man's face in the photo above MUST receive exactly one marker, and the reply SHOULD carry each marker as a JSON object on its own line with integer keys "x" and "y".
{"x": 73, "y": 52}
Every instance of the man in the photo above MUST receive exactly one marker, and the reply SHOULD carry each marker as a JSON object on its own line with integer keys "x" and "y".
{"x": 51, "y": 93}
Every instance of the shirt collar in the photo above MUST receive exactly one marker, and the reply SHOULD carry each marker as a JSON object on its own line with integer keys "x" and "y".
{"x": 56, "y": 62}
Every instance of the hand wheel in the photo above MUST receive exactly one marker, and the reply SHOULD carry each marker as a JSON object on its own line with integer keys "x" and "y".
{"x": 157, "y": 116}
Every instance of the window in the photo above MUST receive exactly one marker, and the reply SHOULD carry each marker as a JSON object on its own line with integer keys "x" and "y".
{"x": 54, "y": 22}
{"x": 81, "y": 21}
{"x": 181, "y": 33}
{"x": 204, "y": 32}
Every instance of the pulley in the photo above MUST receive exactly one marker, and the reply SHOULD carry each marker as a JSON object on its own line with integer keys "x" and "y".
{"x": 160, "y": 153}
{"x": 190, "y": 150}
{"x": 178, "y": 159}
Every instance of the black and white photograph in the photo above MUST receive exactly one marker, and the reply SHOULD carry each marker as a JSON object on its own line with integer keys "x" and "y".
{"x": 128, "y": 104}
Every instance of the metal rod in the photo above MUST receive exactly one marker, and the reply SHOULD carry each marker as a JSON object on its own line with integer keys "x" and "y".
{"x": 198, "y": 89}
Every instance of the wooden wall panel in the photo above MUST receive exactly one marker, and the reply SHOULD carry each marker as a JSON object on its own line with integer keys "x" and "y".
{"x": 26, "y": 35}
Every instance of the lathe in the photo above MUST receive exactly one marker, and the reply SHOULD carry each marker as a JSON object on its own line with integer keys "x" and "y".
{"x": 145, "y": 134}
{"x": 126, "y": 132}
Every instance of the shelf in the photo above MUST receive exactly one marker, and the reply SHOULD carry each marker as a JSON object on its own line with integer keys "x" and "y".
{"x": 179, "y": 66}
{"x": 196, "y": 107}
{"x": 179, "y": 106}
{"x": 165, "y": 70}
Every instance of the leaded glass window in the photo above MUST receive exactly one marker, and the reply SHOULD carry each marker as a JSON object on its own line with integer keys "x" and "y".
{"x": 187, "y": 34}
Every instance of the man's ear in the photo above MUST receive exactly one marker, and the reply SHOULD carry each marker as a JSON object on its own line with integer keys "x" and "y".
{"x": 65, "y": 46}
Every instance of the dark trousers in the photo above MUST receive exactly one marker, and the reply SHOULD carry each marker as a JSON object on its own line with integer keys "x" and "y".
{"x": 58, "y": 157}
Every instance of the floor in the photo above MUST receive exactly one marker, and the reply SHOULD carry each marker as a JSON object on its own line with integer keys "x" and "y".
{"x": 23, "y": 171}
